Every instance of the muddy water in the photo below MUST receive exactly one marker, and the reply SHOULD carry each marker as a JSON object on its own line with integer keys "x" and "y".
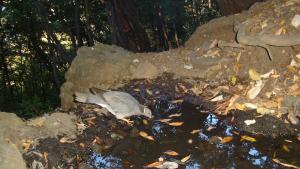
{"x": 203, "y": 145}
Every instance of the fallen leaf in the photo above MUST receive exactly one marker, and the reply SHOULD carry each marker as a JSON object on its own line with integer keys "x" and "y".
{"x": 285, "y": 164}
{"x": 145, "y": 122}
{"x": 250, "y": 106}
{"x": 82, "y": 145}
{"x": 175, "y": 124}
{"x": 254, "y": 91}
{"x": 164, "y": 120}
{"x": 98, "y": 140}
{"x": 171, "y": 153}
{"x": 217, "y": 98}
{"x": 291, "y": 69}
{"x": 254, "y": 75}
{"x": 248, "y": 138}
{"x": 177, "y": 101}
{"x": 146, "y": 136}
{"x": 195, "y": 131}
{"x": 226, "y": 139}
{"x": 45, "y": 155}
{"x": 285, "y": 148}
{"x": 235, "y": 132}
{"x": 26, "y": 145}
{"x": 185, "y": 159}
{"x": 175, "y": 115}
{"x": 169, "y": 164}
{"x": 262, "y": 110}
{"x": 233, "y": 80}
{"x": 64, "y": 140}
{"x": 269, "y": 74}
{"x": 154, "y": 164}
{"x": 239, "y": 106}
{"x": 249, "y": 122}
{"x": 279, "y": 31}
{"x": 210, "y": 128}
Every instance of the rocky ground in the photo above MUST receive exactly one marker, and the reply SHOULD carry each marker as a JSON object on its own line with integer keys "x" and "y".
{"x": 229, "y": 67}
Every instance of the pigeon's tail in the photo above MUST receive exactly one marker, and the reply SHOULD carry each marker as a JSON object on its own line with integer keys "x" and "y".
{"x": 81, "y": 97}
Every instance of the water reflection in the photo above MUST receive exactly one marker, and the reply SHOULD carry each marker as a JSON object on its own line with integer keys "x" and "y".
{"x": 103, "y": 162}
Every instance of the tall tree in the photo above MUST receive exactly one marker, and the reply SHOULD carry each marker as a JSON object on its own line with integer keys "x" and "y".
{"x": 127, "y": 31}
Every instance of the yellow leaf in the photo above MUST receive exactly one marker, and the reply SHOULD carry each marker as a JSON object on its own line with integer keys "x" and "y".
{"x": 176, "y": 124}
{"x": 285, "y": 148}
{"x": 254, "y": 75}
{"x": 185, "y": 158}
{"x": 154, "y": 164}
{"x": 226, "y": 139}
{"x": 145, "y": 122}
{"x": 248, "y": 138}
{"x": 233, "y": 80}
{"x": 146, "y": 136}
{"x": 239, "y": 106}
{"x": 171, "y": 153}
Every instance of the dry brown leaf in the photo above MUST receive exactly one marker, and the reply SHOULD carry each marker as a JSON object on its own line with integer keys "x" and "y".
{"x": 280, "y": 31}
{"x": 239, "y": 106}
{"x": 45, "y": 155}
{"x": 164, "y": 120}
{"x": 175, "y": 124}
{"x": 235, "y": 132}
{"x": 285, "y": 164}
{"x": 185, "y": 158}
{"x": 195, "y": 131}
{"x": 81, "y": 145}
{"x": 294, "y": 87}
{"x": 248, "y": 138}
{"x": 226, "y": 139}
{"x": 146, "y": 136}
{"x": 171, "y": 153}
{"x": 64, "y": 140}
{"x": 154, "y": 164}
{"x": 291, "y": 69}
{"x": 175, "y": 115}
{"x": 26, "y": 145}
{"x": 98, "y": 140}
{"x": 177, "y": 101}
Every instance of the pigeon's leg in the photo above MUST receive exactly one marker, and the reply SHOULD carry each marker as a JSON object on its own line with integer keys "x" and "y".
{"x": 129, "y": 122}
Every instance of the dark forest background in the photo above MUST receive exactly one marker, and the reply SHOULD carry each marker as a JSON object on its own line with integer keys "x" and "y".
{"x": 39, "y": 39}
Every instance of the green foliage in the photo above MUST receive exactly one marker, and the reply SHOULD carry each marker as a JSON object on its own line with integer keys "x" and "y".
{"x": 32, "y": 107}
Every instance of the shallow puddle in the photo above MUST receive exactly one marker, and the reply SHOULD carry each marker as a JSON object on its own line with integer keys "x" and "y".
{"x": 202, "y": 141}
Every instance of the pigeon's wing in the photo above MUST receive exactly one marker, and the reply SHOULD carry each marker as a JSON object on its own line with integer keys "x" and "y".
{"x": 123, "y": 104}
{"x": 89, "y": 97}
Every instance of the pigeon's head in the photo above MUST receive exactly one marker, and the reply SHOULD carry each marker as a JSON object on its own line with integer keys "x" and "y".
{"x": 147, "y": 112}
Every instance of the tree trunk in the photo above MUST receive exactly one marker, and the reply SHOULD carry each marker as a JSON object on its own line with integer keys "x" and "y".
{"x": 77, "y": 25}
{"x": 126, "y": 28}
